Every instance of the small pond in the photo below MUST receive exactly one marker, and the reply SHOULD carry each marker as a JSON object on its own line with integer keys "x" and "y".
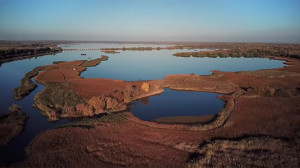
{"x": 173, "y": 103}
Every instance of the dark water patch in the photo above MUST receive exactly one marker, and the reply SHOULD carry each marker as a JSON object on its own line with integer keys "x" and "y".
{"x": 177, "y": 103}
{"x": 36, "y": 124}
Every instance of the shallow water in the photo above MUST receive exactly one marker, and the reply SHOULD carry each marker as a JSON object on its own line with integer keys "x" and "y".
{"x": 127, "y": 65}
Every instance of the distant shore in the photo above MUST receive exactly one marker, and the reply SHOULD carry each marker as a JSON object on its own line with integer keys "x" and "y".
{"x": 12, "y": 51}
{"x": 18, "y": 50}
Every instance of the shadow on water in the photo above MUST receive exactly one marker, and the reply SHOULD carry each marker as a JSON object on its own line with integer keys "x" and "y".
{"x": 36, "y": 124}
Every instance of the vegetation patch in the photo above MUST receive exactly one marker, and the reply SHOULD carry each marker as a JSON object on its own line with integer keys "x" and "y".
{"x": 58, "y": 62}
{"x": 55, "y": 100}
{"x": 94, "y": 121}
{"x": 270, "y": 73}
{"x": 247, "y": 152}
{"x": 12, "y": 124}
{"x": 11, "y": 51}
{"x": 110, "y": 51}
{"x": 94, "y": 62}
{"x": 26, "y": 85}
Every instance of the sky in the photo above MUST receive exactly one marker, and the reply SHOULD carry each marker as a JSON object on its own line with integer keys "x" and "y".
{"x": 151, "y": 20}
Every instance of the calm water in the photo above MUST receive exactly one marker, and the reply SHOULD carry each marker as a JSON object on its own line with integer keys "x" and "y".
{"x": 108, "y": 45}
{"x": 149, "y": 65}
{"x": 35, "y": 125}
{"x": 177, "y": 103}
{"x": 128, "y": 65}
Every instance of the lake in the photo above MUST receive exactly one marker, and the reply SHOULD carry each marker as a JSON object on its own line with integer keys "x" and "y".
{"x": 150, "y": 65}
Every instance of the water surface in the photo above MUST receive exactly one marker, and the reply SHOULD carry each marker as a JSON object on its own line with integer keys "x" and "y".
{"x": 177, "y": 103}
{"x": 150, "y": 65}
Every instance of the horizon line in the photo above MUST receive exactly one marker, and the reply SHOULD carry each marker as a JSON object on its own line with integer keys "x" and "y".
{"x": 146, "y": 41}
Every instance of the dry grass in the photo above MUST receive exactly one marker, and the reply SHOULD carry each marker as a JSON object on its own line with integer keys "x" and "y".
{"x": 12, "y": 124}
{"x": 55, "y": 96}
{"x": 104, "y": 118}
{"x": 247, "y": 152}
{"x": 26, "y": 85}
{"x": 94, "y": 62}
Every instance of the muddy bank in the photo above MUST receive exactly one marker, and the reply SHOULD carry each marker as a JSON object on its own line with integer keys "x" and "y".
{"x": 12, "y": 124}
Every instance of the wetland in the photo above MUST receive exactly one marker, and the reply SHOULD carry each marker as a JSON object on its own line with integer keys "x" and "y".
{"x": 154, "y": 88}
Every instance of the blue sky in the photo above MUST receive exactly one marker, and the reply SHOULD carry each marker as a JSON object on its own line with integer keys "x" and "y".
{"x": 151, "y": 20}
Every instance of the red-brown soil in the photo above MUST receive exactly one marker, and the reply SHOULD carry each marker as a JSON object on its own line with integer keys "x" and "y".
{"x": 262, "y": 108}
{"x": 61, "y": 72}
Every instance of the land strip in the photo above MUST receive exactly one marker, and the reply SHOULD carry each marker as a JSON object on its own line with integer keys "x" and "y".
{"x": 12, "y": 51}
{"x": 12, "y": 124}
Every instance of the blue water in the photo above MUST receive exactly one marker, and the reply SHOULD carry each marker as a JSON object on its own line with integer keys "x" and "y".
{"x": 127, "y": 65}
{"x": 177, "y": 103}
{"x": 149, "y": 65}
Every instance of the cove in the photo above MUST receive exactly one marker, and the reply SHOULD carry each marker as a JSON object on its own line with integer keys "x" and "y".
{"x": 173, "y": 103}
